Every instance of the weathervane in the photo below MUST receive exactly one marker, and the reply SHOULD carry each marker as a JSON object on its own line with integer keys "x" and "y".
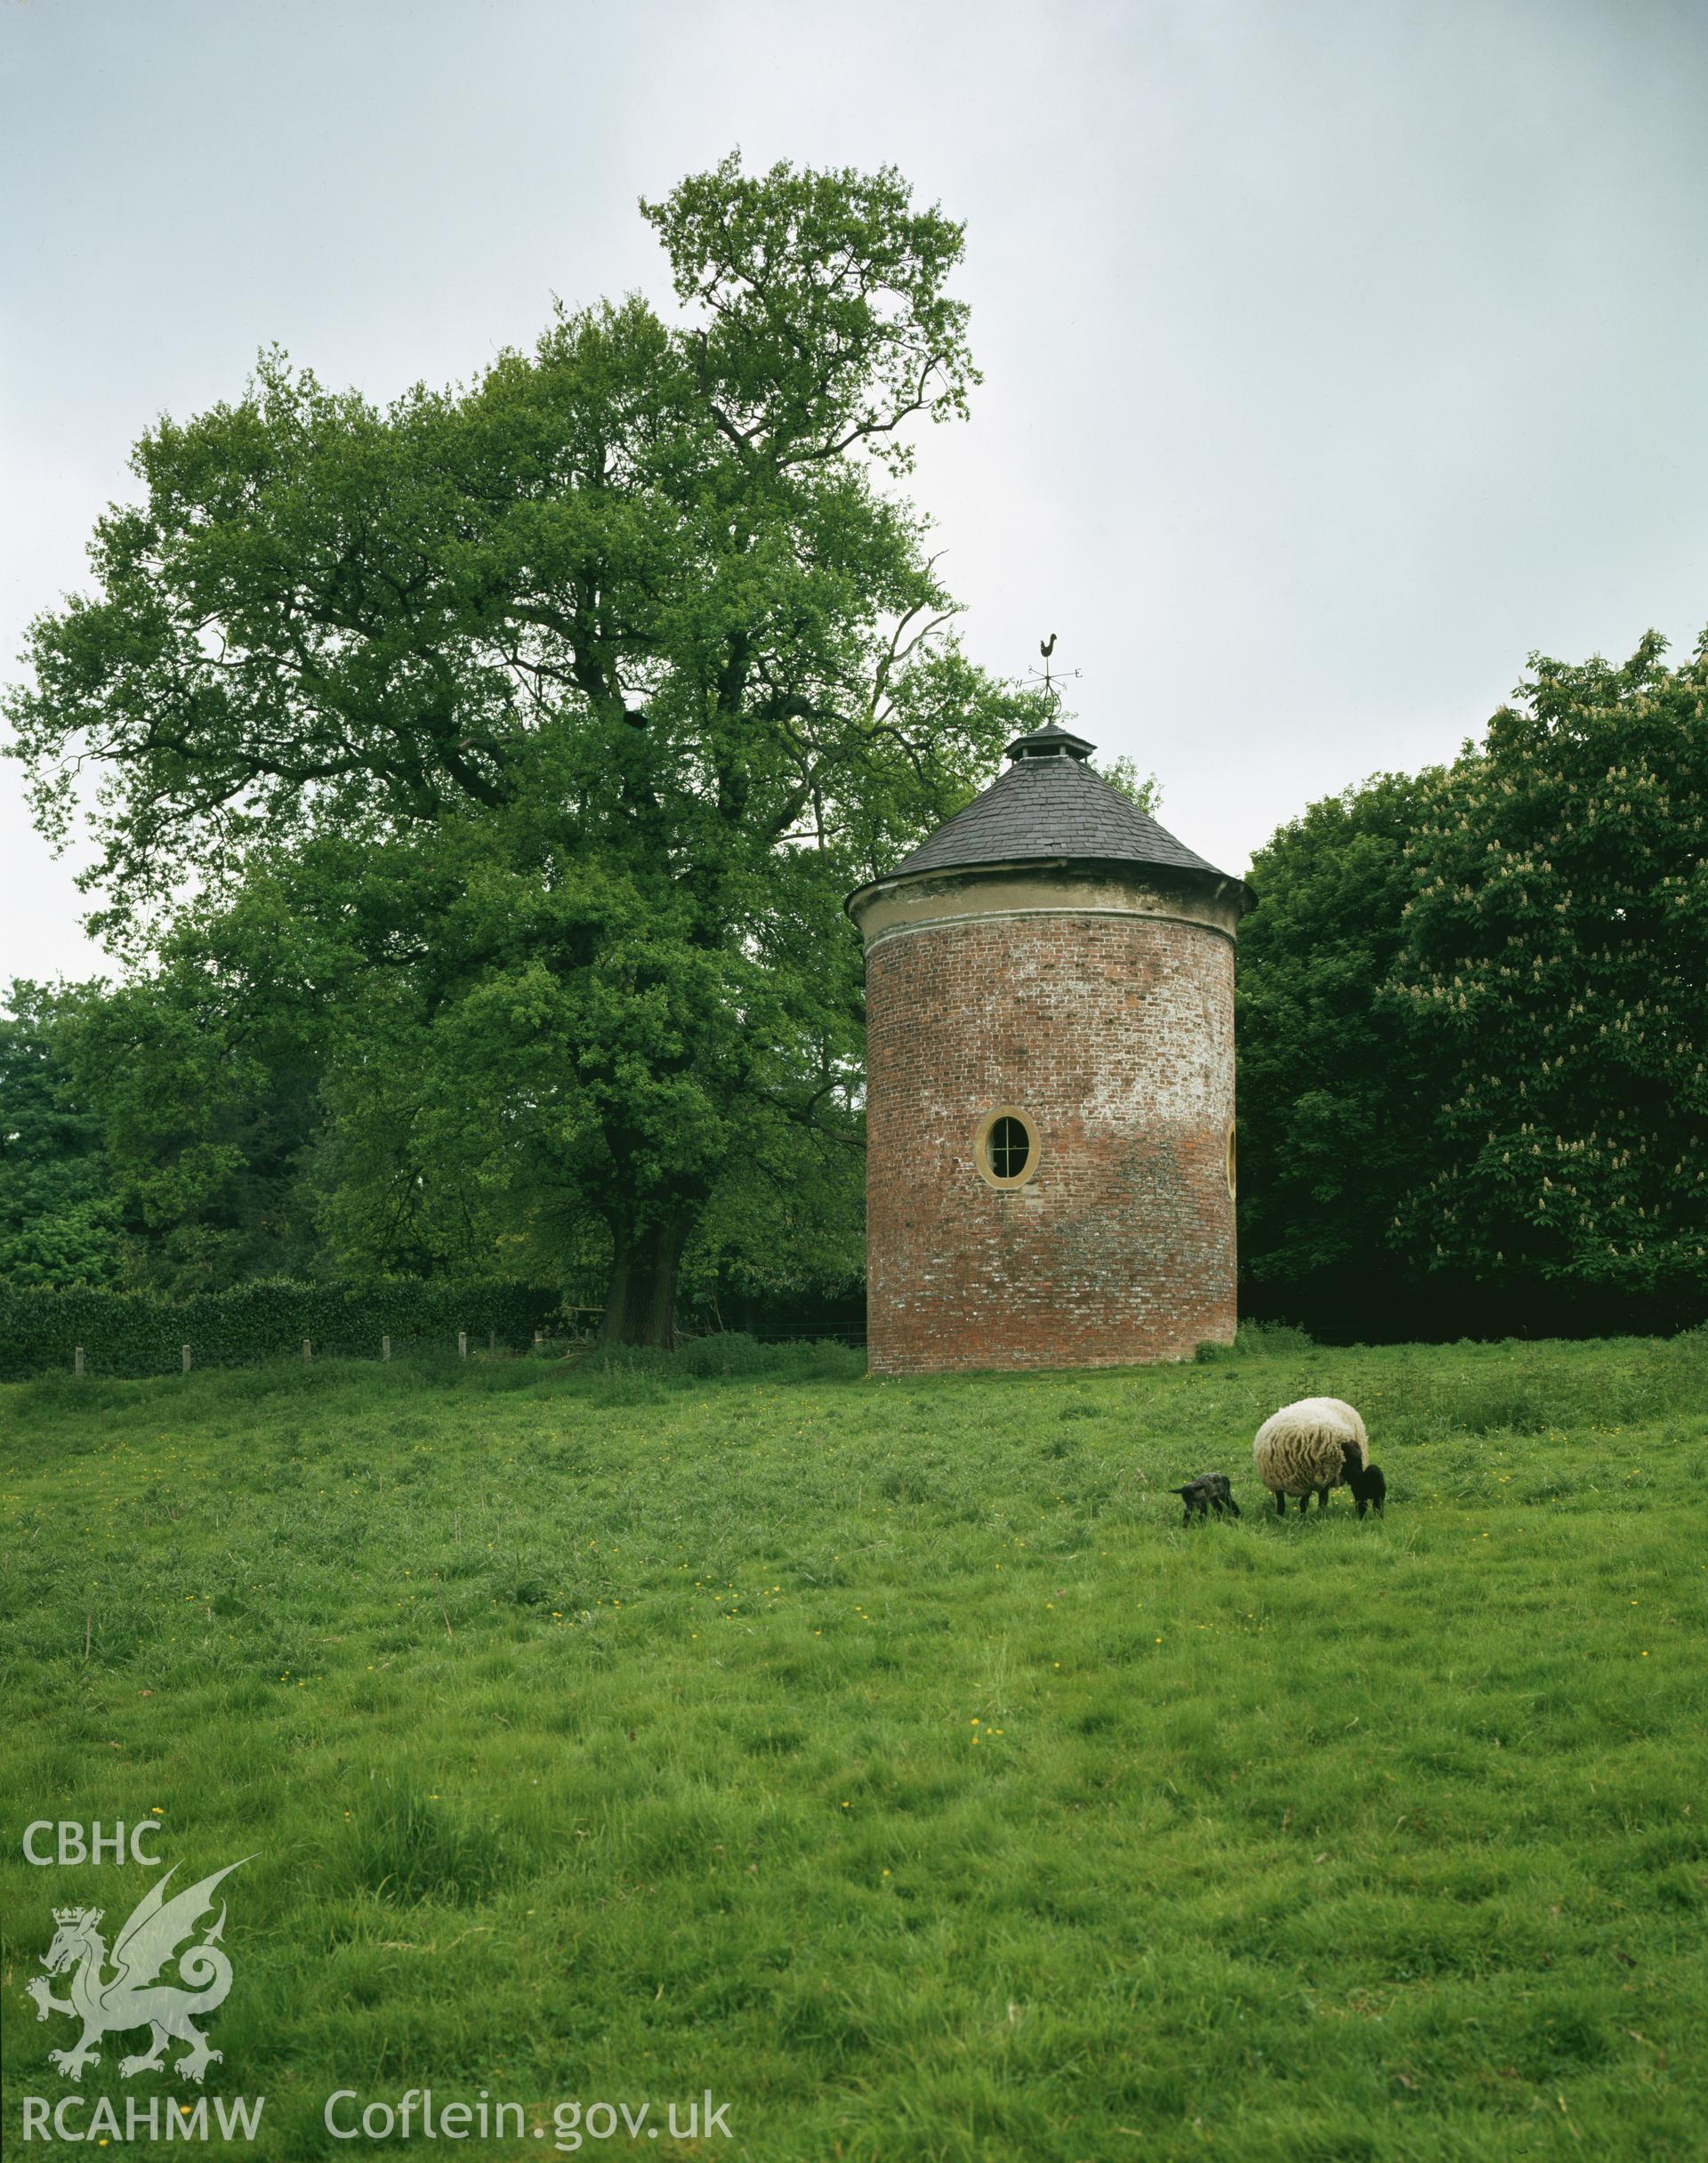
{"x": 1050, "y": 682}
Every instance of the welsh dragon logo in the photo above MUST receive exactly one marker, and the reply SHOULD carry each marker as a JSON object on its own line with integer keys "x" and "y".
{"x": 131, "y": 1998}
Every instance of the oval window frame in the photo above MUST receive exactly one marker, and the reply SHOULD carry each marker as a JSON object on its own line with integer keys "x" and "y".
{"x": 1230, "y": 1161}
{"x": 982, "y": 1149}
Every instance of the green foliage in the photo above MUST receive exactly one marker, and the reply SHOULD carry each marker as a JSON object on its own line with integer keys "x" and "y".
{"x": 1333, "y": 1127}
{"x": 140, "y": 1333}
{"x": 58, "y": 1216}
{"x": 1254, "y": 1339}
{"x": 520, "y": 744}
{"x": 1553, "y": 968}
{"x": 733, "y": 1352}
{"x": 1473, "y": 1010}
{"x": 610, "y": 1733}
{"x": 1144, "y": 789}
{"x": 209, "y": 1110}
{"x": 823, "y": 318}
{"x": 788, "y": 1219}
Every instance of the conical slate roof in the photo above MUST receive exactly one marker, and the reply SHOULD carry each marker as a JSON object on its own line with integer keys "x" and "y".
{"x": 1049, "y": 804}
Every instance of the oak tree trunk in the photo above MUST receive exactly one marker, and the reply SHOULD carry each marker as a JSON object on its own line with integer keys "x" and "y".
{"x": 641, "y": 1304}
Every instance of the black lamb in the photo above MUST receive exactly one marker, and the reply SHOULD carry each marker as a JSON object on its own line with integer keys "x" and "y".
{"x": 1368, "y": 1485}
{"x": 1211, "y": 1491}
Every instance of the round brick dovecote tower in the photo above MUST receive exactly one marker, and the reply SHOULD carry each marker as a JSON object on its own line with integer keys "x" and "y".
{"x": 1049, "y": 1083}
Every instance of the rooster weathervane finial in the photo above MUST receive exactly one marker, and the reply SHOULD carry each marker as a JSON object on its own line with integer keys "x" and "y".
{"x": 1052, "y": 683}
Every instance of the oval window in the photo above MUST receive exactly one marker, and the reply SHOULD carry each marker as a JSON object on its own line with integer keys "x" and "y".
{"x": 1009, "y": 1146}
{"x": 1233, "y": 1180}
{"x": 1006, "y": 1148}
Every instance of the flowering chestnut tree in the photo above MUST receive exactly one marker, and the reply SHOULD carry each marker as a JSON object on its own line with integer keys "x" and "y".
{"x": 1552, "y": 963}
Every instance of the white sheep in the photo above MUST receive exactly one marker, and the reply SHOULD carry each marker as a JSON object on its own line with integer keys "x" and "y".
{"x": 1307, "y": 1448}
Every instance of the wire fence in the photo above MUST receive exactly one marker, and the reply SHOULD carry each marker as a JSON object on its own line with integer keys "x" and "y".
{"x": 466, "y": 1344}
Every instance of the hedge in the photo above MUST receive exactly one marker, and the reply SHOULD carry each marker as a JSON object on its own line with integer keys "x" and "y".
{"x": 137, "y": 1333}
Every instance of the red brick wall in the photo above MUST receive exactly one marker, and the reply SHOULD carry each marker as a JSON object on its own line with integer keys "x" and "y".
{"x": 1115, "y": 1035}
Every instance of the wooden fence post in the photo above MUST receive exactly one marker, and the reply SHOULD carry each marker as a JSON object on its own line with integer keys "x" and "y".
{"x": 492, "y": 1341}
{"x": 78, "y": 1363}
{"x": 462, "y": 1344}
{"x": 186, "y": 1358}
{"x": 539, "y": 1336}
{"x": 385, "y": 1348}
{"x": 308, "y": 1351}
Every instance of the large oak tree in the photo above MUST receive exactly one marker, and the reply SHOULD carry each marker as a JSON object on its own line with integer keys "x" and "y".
{"x": 521, "y": 740}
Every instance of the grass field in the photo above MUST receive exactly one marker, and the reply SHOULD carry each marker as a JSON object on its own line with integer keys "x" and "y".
{"x": 885, "y": 1759}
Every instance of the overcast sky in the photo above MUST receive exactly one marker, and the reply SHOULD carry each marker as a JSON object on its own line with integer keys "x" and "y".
{"x": 1337, "y": 356}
